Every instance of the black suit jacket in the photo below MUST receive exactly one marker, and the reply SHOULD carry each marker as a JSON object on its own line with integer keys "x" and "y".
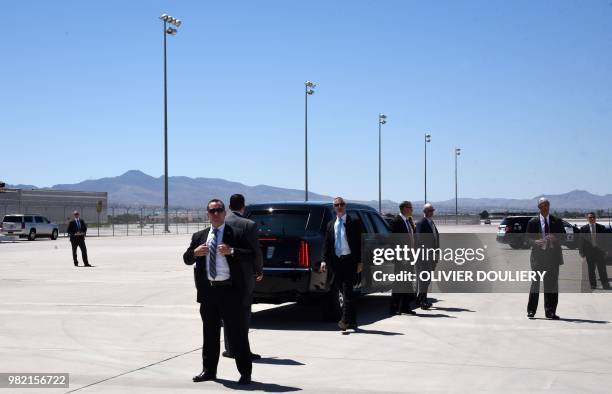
{"x": 249, "y": 227}
{"x": 72, "y": 228}
{"x": 553, "y": 253}
{"x": 425, "y": 235}
{"x": 353, "y": 230}
{"x": 399, "y": 226}
{"x": 587, "y": 249}
{"x": 240, "y": 264}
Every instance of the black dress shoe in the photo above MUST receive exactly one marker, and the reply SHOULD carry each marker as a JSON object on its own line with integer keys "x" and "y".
{"x": 76, "y": 263}
{"x": 255, "y": 356}
{"x": 227, "y": 354}
{"x": 204, "y": 376}
{"x": 409, "y": 312}
{"x": 244, "y": 379}
{"x": 425, "y": 305}
{"x": 530, "y": 314}
{"x": 87, "y": 265}
{"x": 393, "y": 312}
{"x": 552, "y": 316}
{"x": 343, "y": 326}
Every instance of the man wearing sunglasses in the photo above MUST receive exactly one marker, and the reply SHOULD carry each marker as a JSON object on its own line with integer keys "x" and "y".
{"x": 77, "y": 230}
{"x": 224, "y": 279}
{"x": 429, "y": 238}
{"x": 592, "y": 246}
{"x": 402, "y": 293}
{"x": 342, "y": 251}
{"x": 544, "y": 234}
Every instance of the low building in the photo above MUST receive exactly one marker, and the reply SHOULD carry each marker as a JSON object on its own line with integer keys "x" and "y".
{"x": 56, "y": 205}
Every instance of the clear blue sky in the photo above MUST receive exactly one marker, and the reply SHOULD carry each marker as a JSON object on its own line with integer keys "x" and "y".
{"x": 523, "y": 87}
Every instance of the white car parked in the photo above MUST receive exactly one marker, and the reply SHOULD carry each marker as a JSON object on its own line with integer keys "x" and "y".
{"x": 30, "y": 226}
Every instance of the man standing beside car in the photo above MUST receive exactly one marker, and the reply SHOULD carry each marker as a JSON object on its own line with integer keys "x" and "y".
{"x": 402, "y": 293}
{"x": 591, "y": 247}
{"x": 236, "y": 219}
{"x": 546, "y": 256}
{"x": 77, "y": 229}
{"x": 342, "y": 251}
{"x": 428, "y": 238}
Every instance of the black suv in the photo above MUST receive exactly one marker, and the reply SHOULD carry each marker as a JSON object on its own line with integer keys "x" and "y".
{"x": 512, "y": 231}
{"x": 291, "y": 235}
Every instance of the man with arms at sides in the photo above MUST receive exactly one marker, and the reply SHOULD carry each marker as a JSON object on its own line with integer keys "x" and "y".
{"x": 403, "y": 294}
{"x": 236, "y": 219}
{"x": 591, "y": 247}
{"x": 224, "y": 280}
{"x": 77, "y": 229}
{"x": 428, "y": 238}
{"x": 342, "y": 252}
{"x": 543, "y": 234}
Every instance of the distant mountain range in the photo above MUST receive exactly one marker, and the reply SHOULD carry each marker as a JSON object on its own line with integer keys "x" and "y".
{"x": 135, "y": 188}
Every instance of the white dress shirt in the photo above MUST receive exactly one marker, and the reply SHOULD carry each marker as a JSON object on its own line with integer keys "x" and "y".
{"x": 223, "y": 271}
{"x": 543, "y": 221}
{"x": 344, "y": 246}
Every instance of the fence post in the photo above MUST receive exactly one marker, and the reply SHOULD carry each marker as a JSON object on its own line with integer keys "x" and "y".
{"x": 187, "y": 217}
{"x": 141, "y": 221}
{"x": 113, "y": 222}
{"x": 176, "y": 219}
{"x": 153, "y": 223}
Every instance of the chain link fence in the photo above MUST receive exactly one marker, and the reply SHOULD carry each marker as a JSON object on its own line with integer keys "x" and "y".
{"x": 119, "y": 220}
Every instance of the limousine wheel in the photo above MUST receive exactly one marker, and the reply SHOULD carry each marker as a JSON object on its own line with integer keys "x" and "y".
{"x": 54, "y": 235}
{"x": 32, "y": 235}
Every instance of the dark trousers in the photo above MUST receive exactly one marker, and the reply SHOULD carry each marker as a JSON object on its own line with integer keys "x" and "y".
{"x": 345, "y": 269}
{"x": 423, "y": 285}
{"x": 222, "y": 303}
{"x": 402, "y": 293}
{"x": 226, "y": 340}
{"x": 597, "y": 261}
{"x": 79, "y": 242}
{"x": 551, "y": 287}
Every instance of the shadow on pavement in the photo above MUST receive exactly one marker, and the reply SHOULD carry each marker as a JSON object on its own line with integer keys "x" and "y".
{"x": 436, "y": 308}
{"x": 435, "y": 315}
{"x": 258, "y": 386}
{"x": 370, "y": 309}
{"x": 574, "y": 320}
{"x": 277, "y": 361}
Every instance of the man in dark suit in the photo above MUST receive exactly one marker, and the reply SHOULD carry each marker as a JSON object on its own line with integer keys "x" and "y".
{"x": 402, "y": 293}
{"x": 428, "y": 238}
{"x": 544, "y": 234}
{"x": 236, "y": 219}
{"x": 77, "y": 229}
{"x": 342, "y": 251}
{"x": 591, "y": 247}
{"x": 224, "y": 279}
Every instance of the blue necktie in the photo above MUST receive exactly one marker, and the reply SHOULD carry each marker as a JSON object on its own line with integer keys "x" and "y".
{"x": 212, "y": 254}
{"x": 78, "y": 225}
{"x": 339, "y": 237}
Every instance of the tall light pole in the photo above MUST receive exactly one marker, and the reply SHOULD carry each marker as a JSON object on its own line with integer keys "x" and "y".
{"x": 308, "y": 91}
{"x": 382, "y": 119}
{"x": 427, "y": 140}
{"x": 457, "y": 154}
{"x": 167, "y": 31}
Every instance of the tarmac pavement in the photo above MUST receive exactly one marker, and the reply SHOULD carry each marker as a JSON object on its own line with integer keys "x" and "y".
{"x": 131, "y": 324}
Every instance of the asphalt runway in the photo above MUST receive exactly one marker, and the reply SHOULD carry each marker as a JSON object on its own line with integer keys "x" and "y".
{"x": 131, "y": 324}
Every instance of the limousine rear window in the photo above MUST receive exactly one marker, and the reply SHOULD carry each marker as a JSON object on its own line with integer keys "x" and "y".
{"x": 282, "y": 223}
